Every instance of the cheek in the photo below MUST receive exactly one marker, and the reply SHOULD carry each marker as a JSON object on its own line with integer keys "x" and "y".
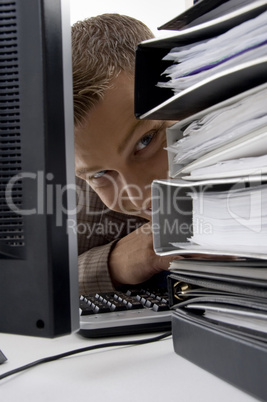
{"x": 108, "y": 196}
{"x": 160, "y": 164}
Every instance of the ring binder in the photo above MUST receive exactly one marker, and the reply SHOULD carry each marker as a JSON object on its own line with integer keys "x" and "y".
{"x": 180, "y": 288}
{"x": 218, "y": 291}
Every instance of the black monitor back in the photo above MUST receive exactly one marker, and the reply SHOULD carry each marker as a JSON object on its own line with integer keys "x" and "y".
{"x": 38, "y": 253}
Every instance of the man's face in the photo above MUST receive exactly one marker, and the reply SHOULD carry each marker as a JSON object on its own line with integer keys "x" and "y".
{"x": 118, "y": 155}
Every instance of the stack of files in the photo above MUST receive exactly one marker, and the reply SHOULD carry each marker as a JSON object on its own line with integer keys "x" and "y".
{"x": 211, "y": 215}
{"x": 205, "y": 59}
{"x": 221, "y": 218}
{"x": 228, "y": 73}
{"x": 218, "y": 285}
{"x": 226, "y": 140}
{"x": 219, "y": 321}
{"x": 229, "y": 221}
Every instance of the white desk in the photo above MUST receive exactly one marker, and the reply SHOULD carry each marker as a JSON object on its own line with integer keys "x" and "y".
{"x": 151, "y": 373}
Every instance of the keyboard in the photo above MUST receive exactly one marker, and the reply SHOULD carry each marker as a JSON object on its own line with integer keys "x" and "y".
{"x": 134, "y": 311}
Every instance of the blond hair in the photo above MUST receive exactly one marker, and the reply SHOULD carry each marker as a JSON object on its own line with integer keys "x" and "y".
{"x": 102, "y": 47}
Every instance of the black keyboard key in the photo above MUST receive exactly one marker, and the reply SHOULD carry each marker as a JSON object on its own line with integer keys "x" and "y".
{"x": 134, "y": 304}
{"x": 160, "y": 307}
{"x": 119, "y": 306}
{"x": 102, "y": 308}
{"x": 87, "y": 311}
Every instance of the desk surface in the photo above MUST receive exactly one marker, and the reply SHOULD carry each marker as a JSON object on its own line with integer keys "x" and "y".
{"x": 150, "y": 372}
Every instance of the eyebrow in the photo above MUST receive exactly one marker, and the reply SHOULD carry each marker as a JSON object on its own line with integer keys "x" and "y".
{"x": 83, "y": 171}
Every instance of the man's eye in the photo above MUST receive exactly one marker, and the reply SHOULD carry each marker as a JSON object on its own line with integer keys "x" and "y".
{"x": 144, "y": 142}
{"x": 99, "y": 174}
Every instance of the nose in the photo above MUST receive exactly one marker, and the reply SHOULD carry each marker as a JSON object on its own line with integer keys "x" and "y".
{"x": 135, "y": 189}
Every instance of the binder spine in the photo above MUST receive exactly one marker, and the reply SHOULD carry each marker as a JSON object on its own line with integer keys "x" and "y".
{"x": 227, "y": 355}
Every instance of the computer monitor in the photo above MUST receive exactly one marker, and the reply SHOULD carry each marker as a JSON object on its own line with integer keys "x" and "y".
{"x": 38, "y": 254}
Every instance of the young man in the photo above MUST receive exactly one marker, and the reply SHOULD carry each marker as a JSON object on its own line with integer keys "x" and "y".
{"x": 116, "y": 157}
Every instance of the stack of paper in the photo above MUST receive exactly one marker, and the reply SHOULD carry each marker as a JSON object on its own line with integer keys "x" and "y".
{"x": 228, "y": 141}
{"x": 212, "y": 212}
{"x": 221, "y": 127}
{"x": 196, "y": 62}
{"x": 231, "y": 168}
{"x": 231, "y": 220}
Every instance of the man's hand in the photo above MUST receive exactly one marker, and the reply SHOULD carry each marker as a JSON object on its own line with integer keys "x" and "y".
{"x": 133, "y": 259}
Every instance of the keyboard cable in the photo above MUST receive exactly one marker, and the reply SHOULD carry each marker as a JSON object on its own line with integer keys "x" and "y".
{"x": 85, "y": 349}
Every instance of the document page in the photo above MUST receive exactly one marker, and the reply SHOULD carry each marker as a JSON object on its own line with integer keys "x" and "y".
{"x": 196, "y": 62}
{"x": 233, "y": 221}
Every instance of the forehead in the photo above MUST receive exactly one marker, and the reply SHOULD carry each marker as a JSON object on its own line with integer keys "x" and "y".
{"x": 111, "y": 116}
{"x": 109, "y": 123}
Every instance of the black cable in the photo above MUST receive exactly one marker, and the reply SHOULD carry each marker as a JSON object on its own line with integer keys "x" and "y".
{"x": 86, "y": 349}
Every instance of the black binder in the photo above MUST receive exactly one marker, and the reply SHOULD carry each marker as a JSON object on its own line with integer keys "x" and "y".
{"x": 223, "y": 346}
{"x": 154, "y": 103}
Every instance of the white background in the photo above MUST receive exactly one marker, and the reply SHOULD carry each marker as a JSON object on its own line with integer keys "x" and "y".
{"x": 152, "y": 12}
